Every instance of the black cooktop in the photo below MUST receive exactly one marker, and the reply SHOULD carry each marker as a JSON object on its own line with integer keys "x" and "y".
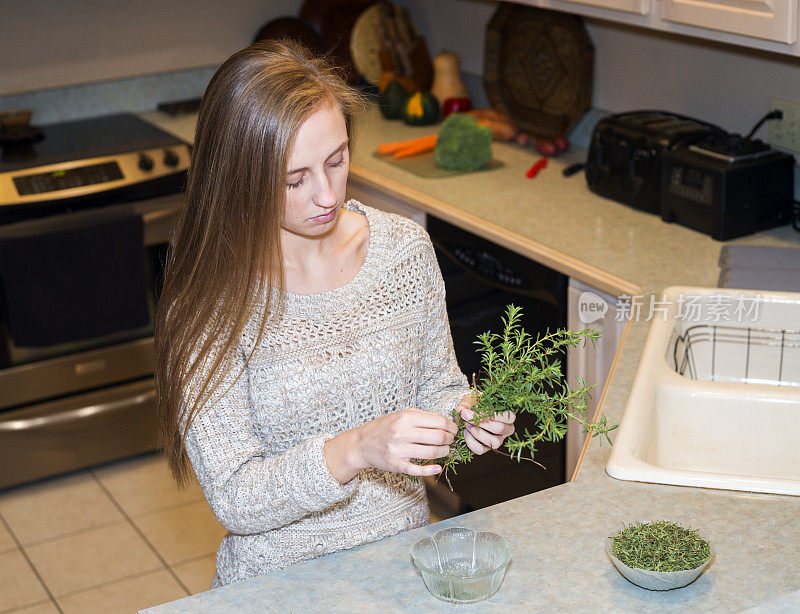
{"x": 86, "y": 138}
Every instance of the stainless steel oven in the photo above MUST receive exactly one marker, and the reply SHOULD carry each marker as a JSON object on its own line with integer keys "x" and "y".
{"x": 75, "y": 391}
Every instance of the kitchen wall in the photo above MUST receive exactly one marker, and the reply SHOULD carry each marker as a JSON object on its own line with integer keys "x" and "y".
{"x": 636, "y": 68}
{"x": 174, "y": 46}
{"x": 69, "y": 60}
{"x": 52, "y": 43}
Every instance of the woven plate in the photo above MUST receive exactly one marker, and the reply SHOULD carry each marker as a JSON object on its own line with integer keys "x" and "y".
{"x": 538, "y": 68}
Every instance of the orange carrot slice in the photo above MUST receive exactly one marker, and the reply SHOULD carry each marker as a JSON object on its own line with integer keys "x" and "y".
{"x": 414, "y": 150}
{"x": 428, "y": 141}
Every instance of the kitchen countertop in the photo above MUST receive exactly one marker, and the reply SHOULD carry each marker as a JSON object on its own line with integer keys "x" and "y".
{"x": 556, "y": 535}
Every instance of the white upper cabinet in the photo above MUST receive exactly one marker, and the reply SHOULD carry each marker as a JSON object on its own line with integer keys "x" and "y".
{"x": 639, "y": 7}
{"x": 774, "y": 20}
{"x": 770, "y": 25}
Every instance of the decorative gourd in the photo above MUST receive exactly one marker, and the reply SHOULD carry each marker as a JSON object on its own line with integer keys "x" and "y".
{"x": 447, "y": 81}
{"x": 389, "y": 75}
{"x": 421, "y": 109}
{"x": 392, "y": 100}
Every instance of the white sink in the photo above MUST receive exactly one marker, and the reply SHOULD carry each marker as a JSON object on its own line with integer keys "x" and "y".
{"x": 716, "y": 399}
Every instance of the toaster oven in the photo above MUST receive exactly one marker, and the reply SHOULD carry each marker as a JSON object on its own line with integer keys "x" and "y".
{"x": 626, "y": 153}
{"x": 691, "y": 173}
{"x": 727, "y": 187}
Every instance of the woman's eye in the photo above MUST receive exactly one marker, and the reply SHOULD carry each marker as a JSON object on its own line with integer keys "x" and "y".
{"x": 297, "y": 184}
{"x": 338, "y": 163}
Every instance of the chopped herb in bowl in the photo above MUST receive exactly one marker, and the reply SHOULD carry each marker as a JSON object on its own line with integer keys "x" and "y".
{"x": 660, "y": 546}
{"x": 659, "y": 556}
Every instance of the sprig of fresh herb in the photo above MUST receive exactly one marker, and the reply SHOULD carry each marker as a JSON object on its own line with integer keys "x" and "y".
{"x": 660, "y": 546}
{"x": 524, "y": 375}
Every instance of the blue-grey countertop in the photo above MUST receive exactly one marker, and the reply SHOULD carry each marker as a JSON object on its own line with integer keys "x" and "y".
{"x": 556, "y": 535}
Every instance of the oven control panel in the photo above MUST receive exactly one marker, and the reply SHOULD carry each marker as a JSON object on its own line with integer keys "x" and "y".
{"x": 78, "y": 178}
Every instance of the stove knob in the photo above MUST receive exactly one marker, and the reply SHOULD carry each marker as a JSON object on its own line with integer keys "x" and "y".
{"x": 145, "y": 162}
{"x": 170, "y": 158}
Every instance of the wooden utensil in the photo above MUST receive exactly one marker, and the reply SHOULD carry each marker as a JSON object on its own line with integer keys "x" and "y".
{"x": 405, "y": 52}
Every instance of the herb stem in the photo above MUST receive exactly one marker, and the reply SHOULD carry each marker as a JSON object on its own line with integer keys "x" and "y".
{"x": 525, "y": 375}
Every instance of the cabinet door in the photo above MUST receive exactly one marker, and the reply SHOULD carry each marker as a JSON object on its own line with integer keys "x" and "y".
{"x": 592, "y": 362}
{"x": 774, "y": 20}
{"x": 639, "y": 7}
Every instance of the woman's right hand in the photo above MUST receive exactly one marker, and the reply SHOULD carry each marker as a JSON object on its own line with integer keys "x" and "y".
{"x": 390, "y": 442}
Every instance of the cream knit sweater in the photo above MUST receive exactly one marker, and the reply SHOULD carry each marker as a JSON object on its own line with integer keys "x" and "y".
{"x": 379, "y": 344}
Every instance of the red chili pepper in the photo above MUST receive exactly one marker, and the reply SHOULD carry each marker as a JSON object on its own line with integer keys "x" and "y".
{"x": 536, "y": 168}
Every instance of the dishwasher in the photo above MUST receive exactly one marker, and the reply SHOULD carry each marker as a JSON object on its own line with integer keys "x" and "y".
{"x": 481, "y": 279}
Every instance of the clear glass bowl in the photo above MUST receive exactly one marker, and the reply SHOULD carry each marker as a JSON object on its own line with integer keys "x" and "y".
{"x": 460, "y": 565}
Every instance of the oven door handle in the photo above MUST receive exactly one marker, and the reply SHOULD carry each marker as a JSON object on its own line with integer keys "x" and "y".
{"x": 71, "y": 415}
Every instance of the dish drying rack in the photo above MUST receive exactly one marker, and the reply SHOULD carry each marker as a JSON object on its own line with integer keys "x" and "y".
{"x": 722, "y": 353}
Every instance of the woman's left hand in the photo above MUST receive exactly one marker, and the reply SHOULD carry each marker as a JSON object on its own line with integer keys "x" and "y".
{"x": 487, "y": 433}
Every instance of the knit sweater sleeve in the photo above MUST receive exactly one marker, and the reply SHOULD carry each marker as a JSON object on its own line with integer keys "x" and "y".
{"x": 443, "y": 384}
{"x": 248, "y": 491}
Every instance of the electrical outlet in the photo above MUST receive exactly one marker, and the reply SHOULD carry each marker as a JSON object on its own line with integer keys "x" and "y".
{"x": 785, "y": 133}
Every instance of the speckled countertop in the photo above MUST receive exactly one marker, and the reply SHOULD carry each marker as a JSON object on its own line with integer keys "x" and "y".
{"x": 556, "y": 535}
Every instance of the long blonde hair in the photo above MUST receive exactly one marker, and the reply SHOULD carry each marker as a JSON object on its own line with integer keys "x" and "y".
{"x": 226, "y": 249}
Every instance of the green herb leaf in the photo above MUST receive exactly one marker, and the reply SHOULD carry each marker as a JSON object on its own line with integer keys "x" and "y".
{"x": 523, "y": 374}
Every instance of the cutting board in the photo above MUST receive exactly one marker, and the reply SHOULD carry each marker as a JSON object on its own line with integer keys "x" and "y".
{"x": 424, "y": 165}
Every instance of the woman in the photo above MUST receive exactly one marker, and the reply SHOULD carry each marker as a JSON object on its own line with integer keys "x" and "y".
{"x": 303, "y": 350}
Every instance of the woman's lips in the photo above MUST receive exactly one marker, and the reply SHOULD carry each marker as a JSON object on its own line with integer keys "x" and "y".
{"x": 325, "y": 217}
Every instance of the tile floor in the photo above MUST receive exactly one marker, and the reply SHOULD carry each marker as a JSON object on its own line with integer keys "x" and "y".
{"x": 116, "y": 538}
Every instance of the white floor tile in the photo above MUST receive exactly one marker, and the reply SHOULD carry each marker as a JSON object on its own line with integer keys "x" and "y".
{"x": 129, "y": 595}
{"x": 57, "y": 507}
{"x": 46, "y": 607}
{"x": 197, "y": 574}
{"x": 93, "y": 557}
{"x": 182, "y": 533}
{"x": 144, "y": 484}
{"x": 19, "y": 586}
{"x": 6, "y": 542}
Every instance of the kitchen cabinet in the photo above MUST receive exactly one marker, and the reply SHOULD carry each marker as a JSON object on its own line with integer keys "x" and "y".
{"x": 592, "y": 362}
{"x": 770, "y": 25}
{"x": 774, "y": 20}
{"x": 639, "y": 7}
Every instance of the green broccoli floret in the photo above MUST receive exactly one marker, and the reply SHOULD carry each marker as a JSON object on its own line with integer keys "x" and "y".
{"x": 462, "y": 144}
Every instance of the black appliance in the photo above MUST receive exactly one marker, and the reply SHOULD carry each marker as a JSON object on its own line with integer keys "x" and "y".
{"x": 86, "y": 208}
{"x": 727, "y": 186}
{"x": 626, "y": 151}
{"x": 481, "y": 279}
{"x": 690, "y": 172}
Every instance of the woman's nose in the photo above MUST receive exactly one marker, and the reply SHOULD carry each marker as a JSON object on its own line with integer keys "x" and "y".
{"x": 326, "y": 196}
